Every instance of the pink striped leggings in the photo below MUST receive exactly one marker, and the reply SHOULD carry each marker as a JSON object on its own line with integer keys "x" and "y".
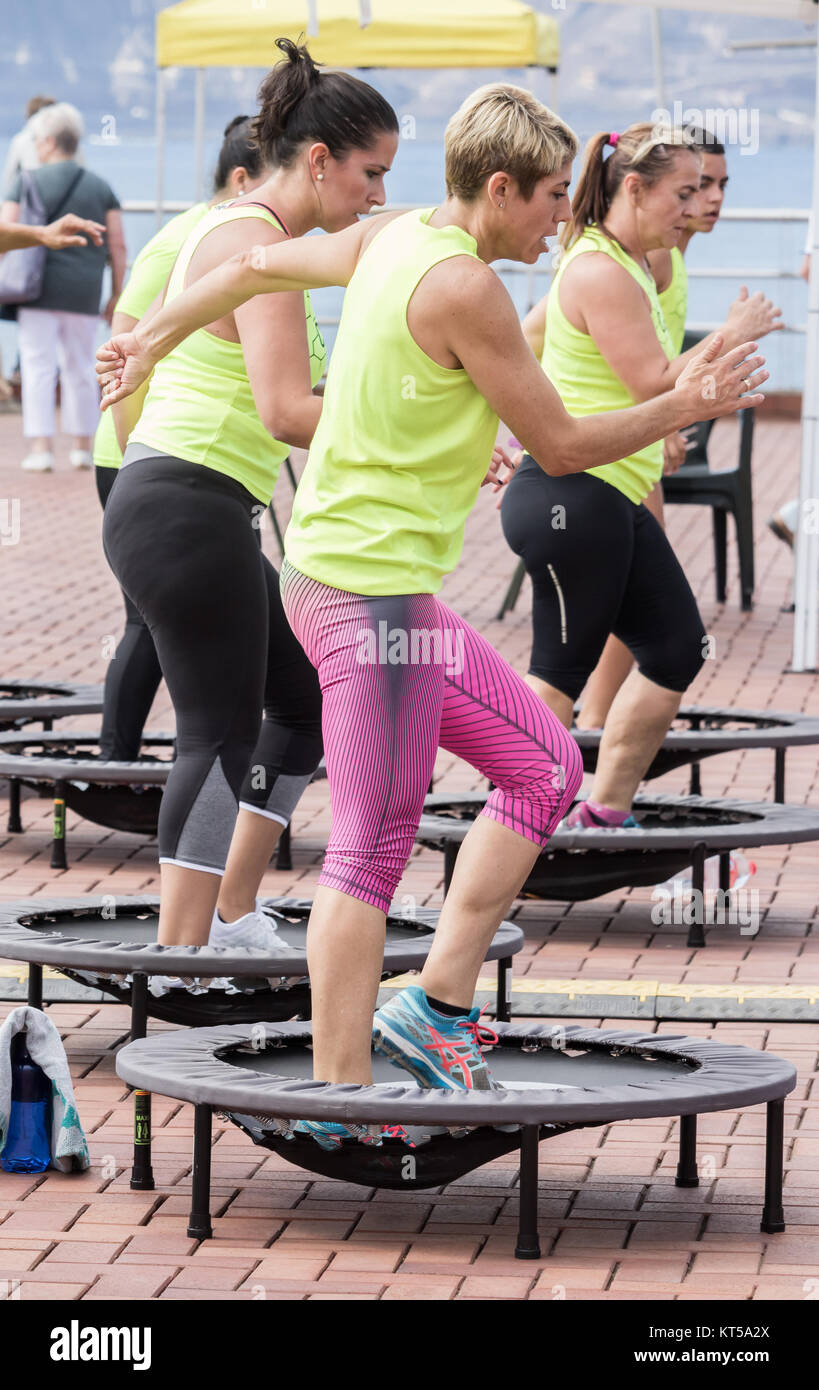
{"x": 401, "y": 676}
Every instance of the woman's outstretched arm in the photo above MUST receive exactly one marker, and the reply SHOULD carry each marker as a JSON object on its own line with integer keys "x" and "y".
{"x": 304, "y": 263}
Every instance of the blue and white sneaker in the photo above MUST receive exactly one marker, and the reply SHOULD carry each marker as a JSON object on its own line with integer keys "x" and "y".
{"x": 437, "y": 1049}
{"x": 330, "y": 1136}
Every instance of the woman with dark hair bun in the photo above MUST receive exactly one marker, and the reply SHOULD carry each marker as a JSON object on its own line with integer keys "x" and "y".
{"x": 181, "y": 524}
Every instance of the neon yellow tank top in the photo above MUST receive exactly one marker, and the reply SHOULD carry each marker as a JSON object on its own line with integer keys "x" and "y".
{"x": 582, "y": 376}
{"x": 149, "y": 272}
{"x": 674, "y": 300}
{"x": 200, "y": 404}
{"x": 403, "y": 444}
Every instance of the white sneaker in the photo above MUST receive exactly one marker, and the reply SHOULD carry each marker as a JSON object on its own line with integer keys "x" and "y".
{"x": 161, "y": 984}
{"x": 38, "y": 462}
{"x": 80, "y": 458}
{"x": 254, "y": 929}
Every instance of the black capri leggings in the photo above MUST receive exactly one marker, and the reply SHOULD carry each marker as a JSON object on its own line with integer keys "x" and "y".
{"x": 133, "y": 674}
{"x": 599, "y": 564}
{"x": 182, "y": 541}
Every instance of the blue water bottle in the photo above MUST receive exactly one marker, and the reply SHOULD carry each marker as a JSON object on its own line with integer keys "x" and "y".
{"x": 28, "y": 1144}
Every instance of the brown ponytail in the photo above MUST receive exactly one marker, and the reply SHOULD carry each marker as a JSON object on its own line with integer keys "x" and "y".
{"x": 644, "y": 149}
{"x": 301, "y": 103}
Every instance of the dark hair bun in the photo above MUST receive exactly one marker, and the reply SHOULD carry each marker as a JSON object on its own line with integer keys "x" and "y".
{"x": 239, "y": 150}
{"x": 299, "y": 103}
{"x": 283, "y": 90}
{"x": 231, "y": 125}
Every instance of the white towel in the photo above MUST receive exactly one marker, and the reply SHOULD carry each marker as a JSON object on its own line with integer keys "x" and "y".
{"x": 69, "y": 1149}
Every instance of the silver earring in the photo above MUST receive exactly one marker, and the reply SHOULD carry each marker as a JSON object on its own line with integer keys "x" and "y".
{"x": 500, "y": 205}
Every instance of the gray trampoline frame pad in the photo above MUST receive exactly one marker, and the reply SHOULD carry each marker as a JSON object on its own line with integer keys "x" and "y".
{"x": 794, "y": 730}
{"x": 69, "y": 698}
{"x": 767, "y": 823}
{"x": 18, "y": 942}
{"x": 95, "y": 771}
{"x": 187, "y": 1066}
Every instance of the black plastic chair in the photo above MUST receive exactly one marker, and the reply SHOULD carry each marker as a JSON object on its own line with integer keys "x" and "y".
{"x": 277, "y": 530}
{"x": 696, "y": 485}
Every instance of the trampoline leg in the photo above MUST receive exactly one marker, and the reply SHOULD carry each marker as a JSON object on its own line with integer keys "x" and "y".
{"x": 695, "y": 784}
{"x": 199, "y": 1226}
{"x": 773, "y": 1216}
{"x": 696, "y": 931}
{"x": 58, "y": 859}
{"x": 725, "y": 871}
{"x": 35, "y": 986}
{"x": 15, "y": 824}
{"x": 528, "y": 1246}
{"x": 139, "y": 1005}
{"x": 779, "y": 775}
{"x": 284, "y": 859}
{"x": 142, "y": 1176}
{"x": 503, "y": 1004}
{"x": 450, "y": 855}
{"x": 687, "y": 1175}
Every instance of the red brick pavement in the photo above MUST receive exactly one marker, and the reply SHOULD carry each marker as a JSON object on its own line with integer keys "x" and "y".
{"x": 613, "y": 1225}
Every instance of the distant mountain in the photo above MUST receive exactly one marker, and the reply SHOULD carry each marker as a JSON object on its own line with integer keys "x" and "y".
{"x": 100, "y": 56}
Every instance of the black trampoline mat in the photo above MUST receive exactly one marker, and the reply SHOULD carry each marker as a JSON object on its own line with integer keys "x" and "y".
{"x": 651, "y": 817}
{"x": 512, "y": 1066}
{"x": 141, "y": 929}
{"x": 33, "y": 691}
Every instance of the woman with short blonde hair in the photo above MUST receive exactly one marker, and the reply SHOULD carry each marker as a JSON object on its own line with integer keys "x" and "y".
{"x": 429, "y": 354}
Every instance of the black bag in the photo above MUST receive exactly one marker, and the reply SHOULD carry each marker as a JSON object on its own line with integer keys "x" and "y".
{"x": 22, "y": 269}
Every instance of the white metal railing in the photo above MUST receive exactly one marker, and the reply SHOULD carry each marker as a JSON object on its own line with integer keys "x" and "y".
{"x": 535, "y": 273}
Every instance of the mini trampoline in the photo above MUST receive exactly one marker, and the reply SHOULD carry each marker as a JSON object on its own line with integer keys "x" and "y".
{"x": 109, "y": 943}
{"x": 68, "y": 768}
{"x": 553, "y": 1080}
{"x": 41, "y": 702}
{"x": 121, "y": 796}
{"x": 699, "y": 732}
{"x": 674, "y": 833}
{"x": 37, "y": 702}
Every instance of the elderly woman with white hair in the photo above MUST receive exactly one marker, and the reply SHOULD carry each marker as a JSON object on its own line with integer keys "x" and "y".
{"x": 58, "y": 329}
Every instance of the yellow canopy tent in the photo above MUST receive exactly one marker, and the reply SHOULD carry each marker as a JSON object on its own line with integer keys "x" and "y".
{"x": 423, "y": 34}
{"x": 205, "y": 34}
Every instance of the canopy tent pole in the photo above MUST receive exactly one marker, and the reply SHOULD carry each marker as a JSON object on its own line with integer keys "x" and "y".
{"x": 160, "y": 144}
{"x": 806, "y": 563}
{"x": 657, "y": 46}
{"x": 199, "y": 134}
{"x": 553, "y": 90}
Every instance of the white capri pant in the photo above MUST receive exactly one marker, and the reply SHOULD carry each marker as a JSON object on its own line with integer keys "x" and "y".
{"x": 54, "y": 341}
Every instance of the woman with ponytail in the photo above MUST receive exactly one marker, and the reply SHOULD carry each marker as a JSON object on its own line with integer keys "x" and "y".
{"x": 745, "y": 320}
{"x": 202, "y": 454}
{"x": 598, "y": 558}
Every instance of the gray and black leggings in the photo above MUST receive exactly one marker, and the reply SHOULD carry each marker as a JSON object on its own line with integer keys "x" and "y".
{"x": 182, "y": 541}
{"x": 599, "y": 564}
{"x": 133, "y": 674}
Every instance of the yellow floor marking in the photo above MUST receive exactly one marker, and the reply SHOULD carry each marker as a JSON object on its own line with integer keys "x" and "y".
{"x": 644, "y": 989}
